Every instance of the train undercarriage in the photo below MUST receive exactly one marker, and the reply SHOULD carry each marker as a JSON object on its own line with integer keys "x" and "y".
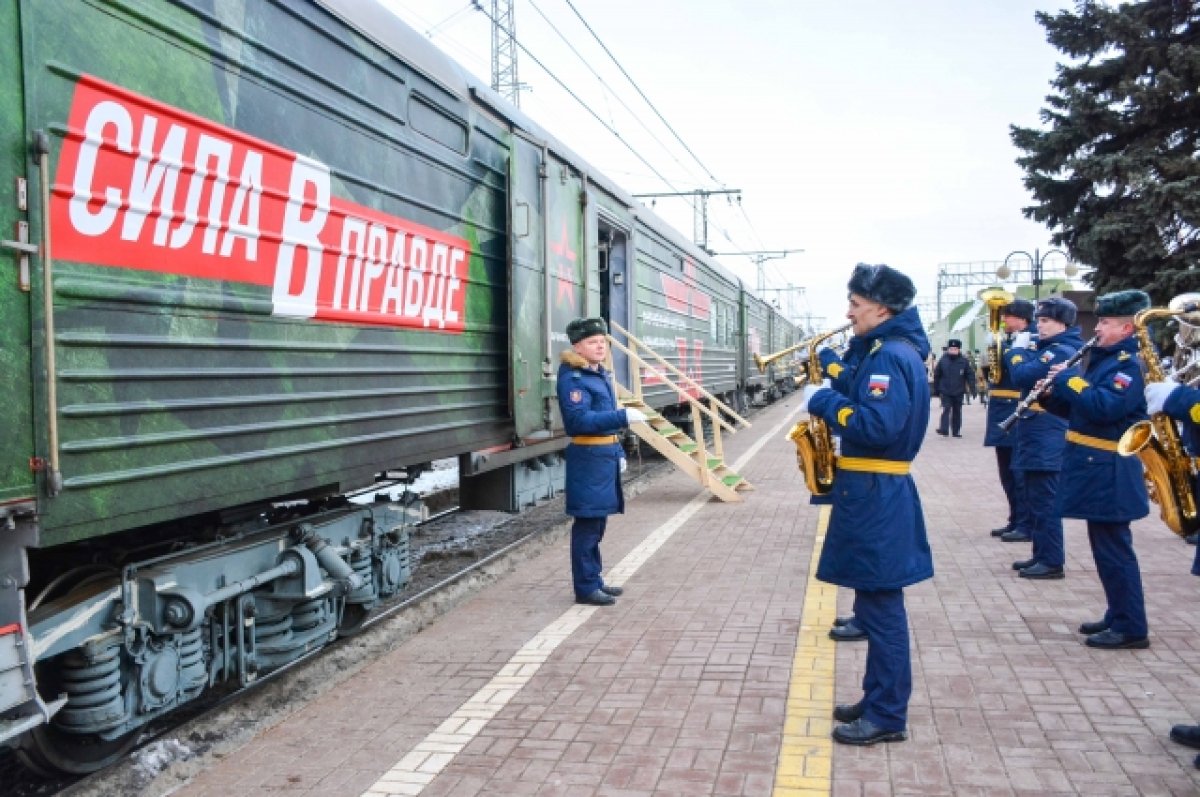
{"x": 118, "y": 641}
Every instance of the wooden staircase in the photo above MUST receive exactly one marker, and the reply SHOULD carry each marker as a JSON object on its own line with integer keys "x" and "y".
{"x": 690, "y": 455}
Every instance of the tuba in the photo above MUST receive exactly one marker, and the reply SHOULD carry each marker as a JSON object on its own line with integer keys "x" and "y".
{"x": 814, "y": 443}
{"x": 1185, "y": 364}
{"x": 995, "y": 299}
{"x": 1169, "y": 471}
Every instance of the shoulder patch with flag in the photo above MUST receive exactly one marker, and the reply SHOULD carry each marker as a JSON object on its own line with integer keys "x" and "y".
{"x": 1047, "y": 356}
{"x": 1121, "y": 381}
{"x": 576, "y": 396}
{"x": 877, "y": 385}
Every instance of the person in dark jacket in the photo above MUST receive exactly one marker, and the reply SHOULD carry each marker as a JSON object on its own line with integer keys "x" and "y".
{"x": 1098, "y": 484}
{"x": 1003, "y": 396}
{"x": 1041, "y": 438}
{"x": 1182, "y": 403}
{"x": 876, "y": 542}
{"x": 594, "y": 456}
{"x": 953, "y": 377}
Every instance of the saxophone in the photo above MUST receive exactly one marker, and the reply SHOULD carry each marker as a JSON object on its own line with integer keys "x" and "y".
{"x": 1168, "y": 469}
{"x": 814, "y": 443}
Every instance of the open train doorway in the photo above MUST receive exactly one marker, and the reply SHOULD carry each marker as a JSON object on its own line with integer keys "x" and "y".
{"x": 612, "y": 245}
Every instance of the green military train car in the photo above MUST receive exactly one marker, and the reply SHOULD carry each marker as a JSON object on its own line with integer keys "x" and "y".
{"x": 264, "y": 254}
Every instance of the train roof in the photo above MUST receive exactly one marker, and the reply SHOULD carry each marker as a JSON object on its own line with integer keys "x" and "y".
{"x": 378, "y": 23}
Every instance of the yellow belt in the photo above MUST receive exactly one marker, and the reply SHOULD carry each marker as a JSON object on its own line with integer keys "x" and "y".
{"x": 894, "y": 467}
{"x": 1012, "y": 394}
{"x": 594, "y": 440}
{"x": 1091, "y": 442}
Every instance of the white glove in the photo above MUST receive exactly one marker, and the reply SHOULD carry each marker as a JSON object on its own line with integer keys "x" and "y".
{"x": 810, "y": 391}
{"x": 1021, "y": 340}
{"x": 624, "y": 464}
{"x": 634, "y": 415}
{"x": 1157, "y": 394}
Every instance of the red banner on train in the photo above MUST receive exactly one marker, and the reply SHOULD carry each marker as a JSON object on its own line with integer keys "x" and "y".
{"x": 147, "y": 186}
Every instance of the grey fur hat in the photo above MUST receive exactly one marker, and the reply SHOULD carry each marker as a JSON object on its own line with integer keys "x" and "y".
{"x": 1058, "y": 308}
{"x": 1122, "y": 303}
{"x": 883, "y": 284}
{"x": 582, "y": 328}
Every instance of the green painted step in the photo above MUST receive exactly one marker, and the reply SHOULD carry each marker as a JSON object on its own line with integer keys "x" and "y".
{"x": 731, "y": 479}
{"x": 687, "y": 448}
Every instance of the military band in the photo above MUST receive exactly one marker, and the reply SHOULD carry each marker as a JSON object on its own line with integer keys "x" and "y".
{"x": 1041, "y": 437}
{"x": 1058, "y": 417}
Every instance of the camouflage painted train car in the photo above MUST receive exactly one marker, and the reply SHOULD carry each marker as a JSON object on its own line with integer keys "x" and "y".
{"x": 264, "y": 254}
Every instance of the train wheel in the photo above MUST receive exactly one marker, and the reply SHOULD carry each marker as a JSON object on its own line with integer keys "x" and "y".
{"x": 354, "y": 615}
{"x": 52, "y": 753}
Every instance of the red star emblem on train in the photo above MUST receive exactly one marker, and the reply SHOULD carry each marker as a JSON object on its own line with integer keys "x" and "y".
{"x": 564, "y": 264}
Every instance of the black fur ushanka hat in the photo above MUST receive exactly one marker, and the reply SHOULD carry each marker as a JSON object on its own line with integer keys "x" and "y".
{"x": 1058, "y": 308}
{"x": 582, "y": 328}
{"x": 1019, "y": 308}
{"x": 883, "y": 284}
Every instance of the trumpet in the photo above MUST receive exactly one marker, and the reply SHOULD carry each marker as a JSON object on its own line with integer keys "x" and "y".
{"x": 995, "y": 299}
{"x": 762, "y": 362}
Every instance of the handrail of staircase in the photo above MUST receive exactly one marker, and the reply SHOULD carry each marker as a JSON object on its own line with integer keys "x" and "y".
{"x": 714, "y": 416}
{"x": 725, "y": 407}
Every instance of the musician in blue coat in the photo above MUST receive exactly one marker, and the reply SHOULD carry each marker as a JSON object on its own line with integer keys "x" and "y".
{"x": 876, "y": 542}
{"x": 594, "y": 457}
{"x": 1003, "y": 396}
{"x": 1099, "y": 485}
{"x": 1041, "y": 438}
{"x": 1182, "y": 403}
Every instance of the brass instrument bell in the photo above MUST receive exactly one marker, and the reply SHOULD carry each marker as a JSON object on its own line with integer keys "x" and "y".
{"x": 996, "y": 299}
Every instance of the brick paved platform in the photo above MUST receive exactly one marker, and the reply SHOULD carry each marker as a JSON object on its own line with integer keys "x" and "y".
{"x": 713, "y": 674}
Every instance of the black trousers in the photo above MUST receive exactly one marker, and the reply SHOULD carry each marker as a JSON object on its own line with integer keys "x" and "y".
{"x": 951, "y": 414}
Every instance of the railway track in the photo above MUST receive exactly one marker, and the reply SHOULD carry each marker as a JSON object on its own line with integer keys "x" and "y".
{"x": 457, "y": 553}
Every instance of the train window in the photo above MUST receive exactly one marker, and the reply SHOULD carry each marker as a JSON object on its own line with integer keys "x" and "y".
{"x": 434, "y": 123}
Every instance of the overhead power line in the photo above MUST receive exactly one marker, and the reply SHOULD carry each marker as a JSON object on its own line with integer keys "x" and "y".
{"x": 613, "y": 94}
{"x": 574, "y": 96}
{"x": 633, "y": 83}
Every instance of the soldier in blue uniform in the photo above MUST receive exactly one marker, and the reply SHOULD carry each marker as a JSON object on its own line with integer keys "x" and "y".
{"x": 1182, "y": 403}
{"x": 1099, "y": 485}
{"x": 839, "y": 373}
{"x": 1041, "y": 438}
{"x": 594, "y": 456}
{"x": 876, "y": 542}
{"x": 1003, "y": 395}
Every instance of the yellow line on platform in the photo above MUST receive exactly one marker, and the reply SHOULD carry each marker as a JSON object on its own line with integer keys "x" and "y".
{"x": 806, "y": 755}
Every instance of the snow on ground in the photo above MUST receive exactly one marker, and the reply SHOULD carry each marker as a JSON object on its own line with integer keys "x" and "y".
{"x": 442, "y": 475}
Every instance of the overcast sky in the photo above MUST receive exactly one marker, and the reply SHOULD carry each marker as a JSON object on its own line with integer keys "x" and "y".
{"x": 874, "y": 131}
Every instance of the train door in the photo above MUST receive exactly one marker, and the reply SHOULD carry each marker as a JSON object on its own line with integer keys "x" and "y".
{"x": 16, "y": 201}
{"x": 615, "y": 290}
{"x": 528, "y": 323}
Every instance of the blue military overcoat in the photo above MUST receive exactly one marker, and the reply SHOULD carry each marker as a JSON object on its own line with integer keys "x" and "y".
{"x": 588, "y": 402}
{"x": 1001, "y": 406}
{"x": 1040, "y": 435}
{"x": 1184, "y": 405}
{"x": 876, "y": 538}
{"x": 1097, "y": 483}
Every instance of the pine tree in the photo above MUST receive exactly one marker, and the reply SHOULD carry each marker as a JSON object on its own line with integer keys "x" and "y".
{"x": 1115, "y": 171}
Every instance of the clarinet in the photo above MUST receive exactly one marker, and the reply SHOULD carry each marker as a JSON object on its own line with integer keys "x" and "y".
{"x": 1043, "y": 387}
